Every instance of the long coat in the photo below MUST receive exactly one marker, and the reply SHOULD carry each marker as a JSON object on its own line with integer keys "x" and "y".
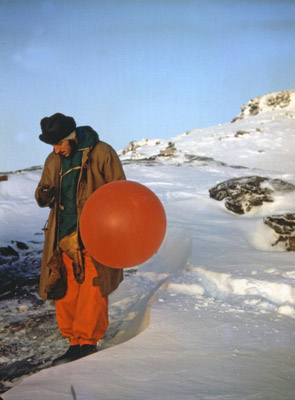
{"x": 100, "y": 165}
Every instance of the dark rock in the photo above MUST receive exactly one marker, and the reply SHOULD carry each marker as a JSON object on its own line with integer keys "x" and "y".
{"x": 254, "y": 108}
{"x": 242, "y": 194}
{"x": 241, "y": 133}
{"x": 284, "y": 228}
{"x": 19, "y": 368}
{"x": 19, "y": 270}
{"x": 21, "y": 245}
{"x": 8, "y": 252}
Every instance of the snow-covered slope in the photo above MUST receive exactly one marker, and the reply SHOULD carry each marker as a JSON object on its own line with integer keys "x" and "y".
{"x": 255, "y": 139}
{"x": 211, "y": 315}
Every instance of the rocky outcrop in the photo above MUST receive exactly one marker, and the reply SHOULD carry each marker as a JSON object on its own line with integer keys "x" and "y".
{"x": 242, "y": 194}
{"x": 133, "y": 146}
{"x": 281, "y": 99}
{"x": 268, "y": 102}
{"x": 284, "y": 228}
{"x": 169, "y": 150}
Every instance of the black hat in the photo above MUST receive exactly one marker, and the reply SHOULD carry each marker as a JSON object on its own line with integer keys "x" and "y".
{"x": 56, "y": 128}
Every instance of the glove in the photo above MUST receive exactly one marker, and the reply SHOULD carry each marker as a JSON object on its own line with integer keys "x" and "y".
{"x": 71, "y": 246}
{"x": 47, "y": 194}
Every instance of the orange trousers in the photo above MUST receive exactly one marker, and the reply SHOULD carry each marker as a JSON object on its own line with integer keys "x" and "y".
{"x": 82, "y": 315}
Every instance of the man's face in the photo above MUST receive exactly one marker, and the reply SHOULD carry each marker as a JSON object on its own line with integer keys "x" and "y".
{"x": 63, "y": 148}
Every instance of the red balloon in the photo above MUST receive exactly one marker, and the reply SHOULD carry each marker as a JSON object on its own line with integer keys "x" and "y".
{"x": 123, "y": 224}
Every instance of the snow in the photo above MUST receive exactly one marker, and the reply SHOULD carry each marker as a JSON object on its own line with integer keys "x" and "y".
{"x": 212, "y": 314}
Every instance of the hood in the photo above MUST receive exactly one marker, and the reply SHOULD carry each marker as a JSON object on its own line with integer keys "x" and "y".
{"x": 87, "y": 137}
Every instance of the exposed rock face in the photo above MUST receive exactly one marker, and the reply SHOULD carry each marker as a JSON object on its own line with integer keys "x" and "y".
{"x": 282, "y": 99}
{"x": 169, "y": 151}
{"x": 272, "y": 101}
{"x": 134, "y": 145}
{"x": 242, "y": 194}
{"x": 284, "y": 228}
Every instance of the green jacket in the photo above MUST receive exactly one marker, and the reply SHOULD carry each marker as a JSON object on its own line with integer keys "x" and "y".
{"x": 100, "y": 164}
{"x": 70, "y": 172}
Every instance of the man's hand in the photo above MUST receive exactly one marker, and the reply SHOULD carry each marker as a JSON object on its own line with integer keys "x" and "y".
{"x": 47, "y": 194}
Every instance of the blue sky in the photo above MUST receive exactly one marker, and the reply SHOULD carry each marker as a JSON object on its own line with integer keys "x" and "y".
{"x": 136, "y": 69}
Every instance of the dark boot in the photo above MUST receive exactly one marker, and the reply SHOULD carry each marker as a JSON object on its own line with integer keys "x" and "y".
{"x": 73, "y": 353}
{"x": 87, "y": 349}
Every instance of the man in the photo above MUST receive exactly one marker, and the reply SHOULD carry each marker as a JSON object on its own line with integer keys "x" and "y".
{"x": 78, "y": 165}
